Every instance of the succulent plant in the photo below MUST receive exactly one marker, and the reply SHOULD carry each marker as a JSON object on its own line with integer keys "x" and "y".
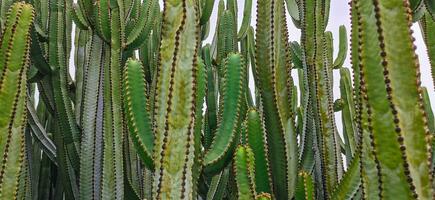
{"x": 153, "y": 111}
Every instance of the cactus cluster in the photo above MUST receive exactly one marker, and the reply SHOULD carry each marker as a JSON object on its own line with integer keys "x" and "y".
{"x": 149, "y": 110}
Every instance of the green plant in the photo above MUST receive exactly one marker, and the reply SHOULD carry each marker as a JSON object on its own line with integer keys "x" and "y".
{"x": 152, "y": 112}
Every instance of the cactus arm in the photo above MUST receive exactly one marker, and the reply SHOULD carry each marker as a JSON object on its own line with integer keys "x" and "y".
{"x": 342, "y": 49}
{"x": 14, "y": 59}
{"x": 210, "y": 98}
{"x": 68, "y": 135}
{"x": 246, "y": 22}
{"x": 263, "y": 196}
{"x": 104, "y": 17}
{"x": 305, "y": 187}
{"x": 137, "y": 114}
{"x": 142, "y": 29}
{"x": 78, "y": 18}
{"x": 206, "y": 11}
{"x": 370, "y": 155}
{"x": 227, "y": 38}
{"x": 293, "y": 10}
{"x": 201, "y": 87}
{"x": 428, "y": 109}
{"x": 427, "y": 25}
{"x": 91, "y": 123}
{"x": 112, "y": 169}
{"x": 257, "y": 142}
{"x": 403, "y": 72}
{"x": 243, "y": 168}
{"x": 391, "y": 59}
{"x": 218, "y": 185}
{"x": 40, "y": 134}
{"x": 272, "y": 80}
{"x": 174, "y": 152}
{"x": 331, "y": 157}
{"x": 431, "y": 124}
{"x": 348, "y": 114}
{"x": 350, "y": 183}
{"x": 430, "y": 6}
{"x": 226, "y": 136}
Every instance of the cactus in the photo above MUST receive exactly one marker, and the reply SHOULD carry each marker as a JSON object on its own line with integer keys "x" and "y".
{"x": 14, "y": 59}
{"x": 153, "y": 111}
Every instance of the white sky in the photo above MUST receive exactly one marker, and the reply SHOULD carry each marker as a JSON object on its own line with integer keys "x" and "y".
{"x": 339, "y": 15}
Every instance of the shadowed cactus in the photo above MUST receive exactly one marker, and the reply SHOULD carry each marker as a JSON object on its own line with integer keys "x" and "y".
{"x": 125, "y": 99}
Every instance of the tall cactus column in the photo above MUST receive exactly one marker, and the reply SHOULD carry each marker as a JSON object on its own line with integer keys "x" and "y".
{"x": 14, "y": 61}
{"x": 174, "y": 108}
{"x": 274, "y": 83}
{"x": 394, "y": 119}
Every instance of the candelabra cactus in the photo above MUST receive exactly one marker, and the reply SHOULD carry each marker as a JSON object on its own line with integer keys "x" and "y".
{"x": 153, "y": 112}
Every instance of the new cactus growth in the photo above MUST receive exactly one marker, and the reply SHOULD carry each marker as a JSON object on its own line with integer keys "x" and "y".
{"x": 153, "y": 111}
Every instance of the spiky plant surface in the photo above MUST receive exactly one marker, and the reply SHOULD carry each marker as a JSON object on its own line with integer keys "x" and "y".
{"x": 154, "y": 112}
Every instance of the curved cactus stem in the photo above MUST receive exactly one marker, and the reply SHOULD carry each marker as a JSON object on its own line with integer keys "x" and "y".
{"x": 40, "y": 134}
{"x": 78, "y": 17}
{"x": 14, "y": 61}
{"x": 246, "y": 22}
{"x": 229, "y": 115}
{"x": 136, "y": 109}
{"x": 342, "y": 49}
{"x": 293, "y": 10}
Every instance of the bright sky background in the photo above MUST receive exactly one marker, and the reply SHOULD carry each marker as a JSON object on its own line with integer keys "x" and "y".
{"x": 339, "y": 15}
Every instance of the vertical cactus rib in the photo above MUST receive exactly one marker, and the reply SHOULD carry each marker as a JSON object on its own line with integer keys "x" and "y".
{"x": 175, "y": 101}
{"x": 14, "y": 61}
{"x": 136, "y": 109}
{"x": 229, "y": 114}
